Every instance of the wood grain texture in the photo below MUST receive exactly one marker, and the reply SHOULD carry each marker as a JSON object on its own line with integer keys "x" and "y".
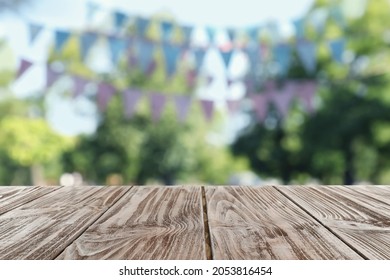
{"x": 261, "y": 223}
{"x": 147, "y": 223}
{"x": 43, "y": 228}
{"x": 358, "y": 215}
{"x": 12, "y": 197}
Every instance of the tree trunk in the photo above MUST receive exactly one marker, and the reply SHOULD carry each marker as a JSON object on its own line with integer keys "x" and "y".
{"x": 37, "y": 176}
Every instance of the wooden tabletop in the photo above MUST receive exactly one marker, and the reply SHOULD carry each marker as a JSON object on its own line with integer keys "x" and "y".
{"x": 194, "y": 222}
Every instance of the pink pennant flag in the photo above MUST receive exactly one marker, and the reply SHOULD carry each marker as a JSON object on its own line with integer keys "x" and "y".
{"x": 79, "y": 84}
{"x": 260, "y": 103}
{"x": 104, "y": 95}
{"x": 233, "y": 106}
{"x": 306, "y": 92}
{"x": 282, "y": 98}
{"x": 131, "y": 98}
{"x": 157, "y": 105}
{"x": 208, "y": 109}
{"x": 182, "y": 104}
{"x": 51, "y": 76}
{"x": 23, "y": 67}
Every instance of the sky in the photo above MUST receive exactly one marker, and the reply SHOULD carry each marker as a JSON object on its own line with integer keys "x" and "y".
{"x": 71, "y": 14}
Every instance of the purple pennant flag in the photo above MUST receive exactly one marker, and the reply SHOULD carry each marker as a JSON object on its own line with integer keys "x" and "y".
{"x": 23, "y": 67}
{"x": 208, "y": 109}
{"x": 260, "y": 103}
{"x": 171, "y": 55}
{"x": 306, "y": 92}
{"x": 199, "y": 54}
{"x": 157, "y": 105}
{"x": 307, "y": 54}
{"x": 104, "y": 95}
{"x": 145, "y": 51}
{"x": 226, "y": 56}
{"x": 282, "y": 98}
{"x": 79, "y": 84}
{"x": 119, "y": 20}
{"x": 117, "y": 48}
{"x": 51, "y": 76}
{"x": 182, "y": 104}
{"x": 141, "y": 26}
{"x": 337, "y": 48}
{"x": 35, "y": 30}
{"x": 61, "y": 37}
{"x": 233, "y": 106}
{"x": 131, "y": 98}
{"x": 86, "y": 42}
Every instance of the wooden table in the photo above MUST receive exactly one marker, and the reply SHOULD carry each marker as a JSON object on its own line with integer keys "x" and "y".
{"x": 193, "y": 222}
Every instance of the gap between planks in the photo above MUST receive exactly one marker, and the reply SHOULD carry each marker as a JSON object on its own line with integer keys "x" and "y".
{"x": 207, "y": 233}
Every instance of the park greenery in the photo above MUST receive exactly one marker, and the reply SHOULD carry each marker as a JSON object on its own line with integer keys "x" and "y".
{"x": 346, "y": 141}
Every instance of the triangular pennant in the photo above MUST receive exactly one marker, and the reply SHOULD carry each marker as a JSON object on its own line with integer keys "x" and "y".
{"x": 199, "y": 54}
{"x": 51, "y": 76}
{"x": 337, "y": 15}
{"x": 145, "y": 51}
{"x": 23, "y": 67}
{"x": 307, "y": 54}
{"x": 166, "y": 29}
{"x": 226, "y": 57}
{"x": 104, "y": 95}
{"x": 191, "y": 78}
{"x": 92, "y": 8}
{"x": 273, "y": 32}
{"x": 282, "y": 98}
{"x": 337, "y": 48}
{"x": 253, "y": 54}
{"x": 141, "y": 25}
{"x": 260, "y": 104}
{"x": 208, "y": 109}
{"x": 157, "y": 105}
{"x": 318, "y": 20}
{"x": 306, "y": 92}
{"x": 253, "y": 34}
{"x": 119, "y": 20}
{"x": 182, "y": 104}
{"x": 79, "y": 84}
{"x": 61, "y": 37}
{"x": 233, "y": 106}
{"x": 187, "y": 31}
{"x": 299, "y": 25}
{"x": 231, "y": 34}
{"x": 131, "y": 98}
{"x": 282, "y": 55}
{"x": 35, "y": 30}
{"x": 117, "y": 48}
{"x": 171, "y": 55}
{"x": 211, "y": 34}
{"x": 86, "y": 42}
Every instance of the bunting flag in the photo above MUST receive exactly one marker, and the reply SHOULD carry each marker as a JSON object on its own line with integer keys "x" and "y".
{"x": 23, "y": 67}
{"x": 61, "y": 38}
{"x": 79, "y": 85}
{"x": 318, "y": 20}
{"x": 253, "y": 55}
{"x": 34, "y": 30}
{"x": 282, "y": 55}
{"x": 187, "y": 32}
{"x": 131, "y": 98}
{"x": 260, "y": 104}
{"x": 51, "y": 76}
{"x": 117, "y": 48}
{"x": 233, "y": 105}
{"x": 171, "y": 55}
{"x": 208, "y": 109}
{"x": 157, "y": 105}
{"x": 273, "y": 31}
{"x": 182, "y": 105}
{"x": 191, "y": 77}
{"x": 307, "y": 54}
{"x": 337, "y": 48}
{"x": 92, "y": 8}
{"x": 144, "y": 50}
{"x": 141, "y": 25}
{"x": 211, "y": 34}
{"x": 306, "y": 92}
{"x": 337, "y": 15}
{"x": 86, "y": 42}
{"x": 166, "y": 29}
{"x": 104, "y": 94}
{"x": 282, "y": 98}
{"x": 199, "y": 54}
{"x": 253, "y": 34}
{"x": 299, "y": 25}
{"x": 119, "y": 20}
{"x": 226, "y": 57}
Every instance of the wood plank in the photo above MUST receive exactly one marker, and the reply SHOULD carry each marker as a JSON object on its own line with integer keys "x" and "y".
{"x": 261, "y": 223}
{"x": 358, "y": 215}
{"x": 147, "y": 223}
{"x": 12, "y": 197}
{"x": 43, "y": 228}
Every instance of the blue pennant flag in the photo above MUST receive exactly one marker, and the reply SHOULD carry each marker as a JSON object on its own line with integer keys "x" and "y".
{"x": 117, "y": 48}
{"x": 253, "y": 34}
{"x": 226, "y": 56}
{"x": 171, "y": 55}
{"x": 145, "y": 50}
{"x": 231, "y": 34}
{"x": 253, "y": 54}
{"x": 119, "y": 20}
{"x": 141, "y": 25}
{"x": 318, "y": 20}
{"x": 211, "y": 34}
{"x": 307, "y": 54}
{"x": 337, "y": 48}
{"x": 199, "y": 54}
{"x": 61, "y": 37}
{"x": 35, "y": 30}
{"x": 86, "y": 42}
{"x": 299, "y": 25}
{"x": 282, "y": 55}
{"x": 92, "y": 8}
{"x": 187, "y": 31}
{"x": 166, "y": 28}
{"x": 337, "y": 15}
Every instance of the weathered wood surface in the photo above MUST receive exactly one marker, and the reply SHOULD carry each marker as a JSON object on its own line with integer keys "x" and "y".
{"x": 283, "y": 222}
{"x": 147, "y": 223}
{"x": 360, "y": 216}
{"x": 43, "y": 228}
{"x": 260, "y": 223}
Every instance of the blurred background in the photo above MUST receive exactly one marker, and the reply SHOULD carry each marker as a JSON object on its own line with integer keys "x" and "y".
{"x": 202, "y": 92}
